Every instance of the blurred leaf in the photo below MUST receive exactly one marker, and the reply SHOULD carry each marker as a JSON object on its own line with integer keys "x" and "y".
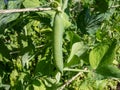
{"x": 101, "y": 84}
{"x": 14, "y": 4}
{"x": 36, "y": 85}
{"x": 85, "y": 86}
{"x": 102, "y": 54}
{"x": 2, "y": 69}
{"x": 101, "y": 5}
{"x": 87, "y": 22}
{"x": 25, "y": 59}
{"x": 73, "y": 62}
{"x": 97, "y": 54}
{"x": 31, "y": 3}
{"x": 13, "y": 77}
{"x": 58, "y": 77}
{"x": 109, "y": 71}
{"x": 110, "y": 55}
{"x": 43, "y": 67}
{"x": 27, "y": 52}
{"x": 66, "y": 21}
{"x": 4, "y": 51}
{"x": 50, "y": 83}
{"x": 5, "y": 86}
{"x": 5, "y": 19}
{"x": 72, "y": 37}
{"x": 36, "y": 82}
{"x": 77, "y": 50}
{"x": 2, "y": 4}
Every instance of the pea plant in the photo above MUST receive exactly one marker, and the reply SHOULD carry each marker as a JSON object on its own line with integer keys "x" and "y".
{"x": 59, "y": 44}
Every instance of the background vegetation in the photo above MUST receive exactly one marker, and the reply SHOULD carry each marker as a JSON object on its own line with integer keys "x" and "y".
{"x": 91, "y": 46}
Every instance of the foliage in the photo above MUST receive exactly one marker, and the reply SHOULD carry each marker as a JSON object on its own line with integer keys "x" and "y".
{"x": 91, "y": 40}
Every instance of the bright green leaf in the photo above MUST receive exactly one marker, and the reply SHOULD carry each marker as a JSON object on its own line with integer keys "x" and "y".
{"x": 97, "y": 54}
{"x": 31, "y": 3}
{"x": 110, "y": 55}
{"x": 77, "y": 50}
{"x": 66, "y": 21}
{"x": 36, "y": 85}
{"x": 25, "y": 59}
{"x": 13, "y": 77}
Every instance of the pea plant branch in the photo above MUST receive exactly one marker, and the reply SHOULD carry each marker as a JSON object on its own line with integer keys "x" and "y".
{"x": 23, "y": 10}
{"x": 33, "y": 9}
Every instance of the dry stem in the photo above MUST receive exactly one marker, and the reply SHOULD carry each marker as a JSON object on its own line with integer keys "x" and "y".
{"x": 24, "y": 10}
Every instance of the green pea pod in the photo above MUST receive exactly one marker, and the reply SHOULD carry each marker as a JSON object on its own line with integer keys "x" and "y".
{"x": 58, "y": 29}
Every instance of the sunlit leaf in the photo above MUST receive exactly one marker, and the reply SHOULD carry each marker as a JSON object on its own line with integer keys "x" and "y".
{"x": 25, "y": 59}
{"x": 77, "y": 50}
{"x": 97, "y": 54}
{"x": 58, "y": 76}
{"x": 31, "y": 3}
{"x": 13, "y": 77}
{"x": 66, "y": 21}
{"x": 36, "y": 85}
{"x": 110, "y": 55}
{"x": 5, "y": 19}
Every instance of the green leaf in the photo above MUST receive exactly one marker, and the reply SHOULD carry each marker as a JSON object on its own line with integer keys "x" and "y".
{"x": 78, "y": 49}
{"x": 13, "y": 4}
{"x": 108, "y": 71}
{"x": 74, "y": 61}
{"x": 110, "y": 55}
{"x": 101, "y": 5}
{"x": 4, "y": 51}
{"x": 7, "y": 18}
{"x": 36, "y": 85}
{"x": 97, "y": 54}
{"x": 102, "y": 54}
{"x": 57, "y": 77}
{"x": 66, "y": 21}
{"x": 31, "y": 3}
{"x": 13, "y": 77}
{"x": 2, "y": 4}
{"x": 100, "y": 84}
{"x": 48, "y": 81}
{"x": 5, "y": 86}
{"x": 43, "y": 67}
{"x": 88, "y": 23}
{"x": 72, "y": 37}
{"x": 25, "y": 59}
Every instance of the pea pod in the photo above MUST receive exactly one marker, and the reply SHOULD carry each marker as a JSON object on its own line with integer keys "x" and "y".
{"x": 58, "y": 29}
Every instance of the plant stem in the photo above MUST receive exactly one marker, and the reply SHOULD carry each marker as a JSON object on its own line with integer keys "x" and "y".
{"x": 75, "y": 70}
{"x": 24, "y": 10}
